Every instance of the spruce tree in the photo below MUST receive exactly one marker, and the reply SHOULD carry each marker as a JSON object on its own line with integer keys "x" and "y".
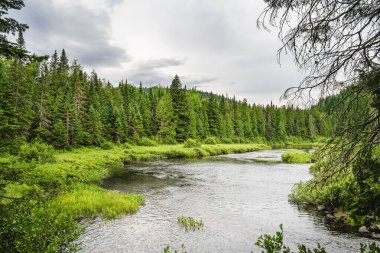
{"x": 180, "y": 108}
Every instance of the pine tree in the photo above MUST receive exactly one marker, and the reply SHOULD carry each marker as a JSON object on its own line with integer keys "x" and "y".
{"x": 59, "y": 135}
{"x": 63, "y": 62}
{"x": 11, "y": 26}
{"x": 165, "y": 119}
{"x": 180, "y": 108}
{"x": 8, "y": 114}
{"x": 213, "y": 116}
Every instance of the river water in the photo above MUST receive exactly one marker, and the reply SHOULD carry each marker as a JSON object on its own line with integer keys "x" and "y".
{"x": 237, "y": 197}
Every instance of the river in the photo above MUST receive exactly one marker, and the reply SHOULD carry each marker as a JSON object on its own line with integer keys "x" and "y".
{"x": 237, "y": 198}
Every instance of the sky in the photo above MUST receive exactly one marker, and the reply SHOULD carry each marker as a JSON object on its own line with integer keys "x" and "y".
{"x": 213, "y": 45}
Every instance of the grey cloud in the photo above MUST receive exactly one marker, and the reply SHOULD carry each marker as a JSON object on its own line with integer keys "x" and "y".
{"x": 161, "y": 63}
{"x": 112, "y": 3}
{"x": 84, "y": 33}
{"x": 214, "y": 45}
{"x": 190, "y": 81}
{"x": 150, "y": 72}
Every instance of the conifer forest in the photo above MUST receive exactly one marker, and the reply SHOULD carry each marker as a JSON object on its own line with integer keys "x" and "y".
{"x": 179, "y": 164}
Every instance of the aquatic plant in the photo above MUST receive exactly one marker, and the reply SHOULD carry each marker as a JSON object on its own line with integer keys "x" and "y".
{"x": 190, "y": 223}
{"x": 167, "y": 249}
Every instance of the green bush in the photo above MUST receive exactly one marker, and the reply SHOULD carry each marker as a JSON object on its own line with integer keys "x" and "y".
{"x": 107, "y": 145}
{"x": 37, "y": 227}
{"x": 238, "y": 140}
{"x": 126, "y": 145}
{"x": 211, "y": 140}
{"x": 226, "y": 141}
{"x": 145, "y": 141}
{"x": 36, "y": 152}
{"x": 191, "y": 143}
{"x": 296, "y": 157}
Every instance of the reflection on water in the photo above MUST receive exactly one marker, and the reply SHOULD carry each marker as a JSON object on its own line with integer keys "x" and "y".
{"x": 237, "y": 199}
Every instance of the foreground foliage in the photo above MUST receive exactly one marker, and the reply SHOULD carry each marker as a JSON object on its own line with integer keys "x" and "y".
{"x": 275, "y": 244}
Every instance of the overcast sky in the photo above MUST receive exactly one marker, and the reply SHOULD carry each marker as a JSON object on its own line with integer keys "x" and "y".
{"x": 214, "y": 45}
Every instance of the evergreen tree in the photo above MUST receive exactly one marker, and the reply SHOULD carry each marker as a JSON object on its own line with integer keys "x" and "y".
{"x": 165, "y": 119}
{"x": 60, "y": 104}
{"x": 9, "y": 125}
{"x": 180, "y": 108}
{"x": 11, "y": 26}
{"x": 213, "y": 116}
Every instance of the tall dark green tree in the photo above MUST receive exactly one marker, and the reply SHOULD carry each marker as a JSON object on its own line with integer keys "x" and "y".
{"x": 180, "y": 108}
{"x": 11, "y": 26}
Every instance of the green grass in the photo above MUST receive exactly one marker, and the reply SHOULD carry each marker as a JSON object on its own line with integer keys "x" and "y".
{"x": 297, "y": 157}
{"x": 190, "y": 223}
{"x": 179, "y": 151}
{"x": 91, "y": 201}
{"x": 91, "y": 165}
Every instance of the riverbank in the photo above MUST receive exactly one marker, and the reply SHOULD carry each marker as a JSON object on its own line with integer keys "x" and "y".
{"x": 341, "y": 199}
{"x": 44, "y": 187}
{"x": 88, "y": 166}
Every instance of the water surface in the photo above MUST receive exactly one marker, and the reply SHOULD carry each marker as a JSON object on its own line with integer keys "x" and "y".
{"x": 237, "y": 198}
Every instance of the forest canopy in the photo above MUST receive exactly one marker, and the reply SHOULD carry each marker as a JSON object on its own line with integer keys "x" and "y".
{"x": 60, "y": 104}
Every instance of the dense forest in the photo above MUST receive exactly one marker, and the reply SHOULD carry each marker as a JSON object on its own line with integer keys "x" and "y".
{"x": 62, "y": 105}
{"x": 62, "y": 130}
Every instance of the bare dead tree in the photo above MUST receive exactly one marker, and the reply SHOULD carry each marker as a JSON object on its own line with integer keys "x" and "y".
{"x": 333, "y": 41}
{"x": 336, "y": 43}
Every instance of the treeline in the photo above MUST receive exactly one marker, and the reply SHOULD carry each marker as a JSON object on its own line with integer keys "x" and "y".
{"x": 62, "y": 105}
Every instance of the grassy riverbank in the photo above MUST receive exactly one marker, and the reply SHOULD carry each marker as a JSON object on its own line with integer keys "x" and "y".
{"x": 341, "y": 198}
{"x": 53, "y": 190}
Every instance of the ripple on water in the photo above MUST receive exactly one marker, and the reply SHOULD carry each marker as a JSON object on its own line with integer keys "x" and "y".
{"x": 238, "y": 201}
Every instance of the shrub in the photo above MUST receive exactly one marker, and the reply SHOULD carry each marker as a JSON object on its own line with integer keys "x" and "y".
{"x": 37, "y": 228}
{"x": 238, "y": 140}
{"x": 107, "y": 145}
{"x": 145, "y": 141}
{"x": 191, "y": 143}
{"x": 211, "y": 140}
{"x": 296, "y": 157}
{"x": 226, "y": 140}
{"x": 127, "y": 145}
{"x": 36, "y": 152}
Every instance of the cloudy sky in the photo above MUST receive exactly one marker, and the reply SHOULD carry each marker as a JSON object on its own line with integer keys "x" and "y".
{"x": 213, "y": 45}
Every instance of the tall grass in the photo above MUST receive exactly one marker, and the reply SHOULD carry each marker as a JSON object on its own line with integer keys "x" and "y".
{"x": 90, "y": 201}
{"x": 297, "y": 157}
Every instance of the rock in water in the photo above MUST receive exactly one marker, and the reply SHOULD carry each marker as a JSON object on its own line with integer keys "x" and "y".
{"x": 363, "y": 230}
{"x": 321, "y": 207}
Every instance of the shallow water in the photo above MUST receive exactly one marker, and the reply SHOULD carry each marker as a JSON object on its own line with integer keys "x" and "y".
{"x": 237, "y": 198}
